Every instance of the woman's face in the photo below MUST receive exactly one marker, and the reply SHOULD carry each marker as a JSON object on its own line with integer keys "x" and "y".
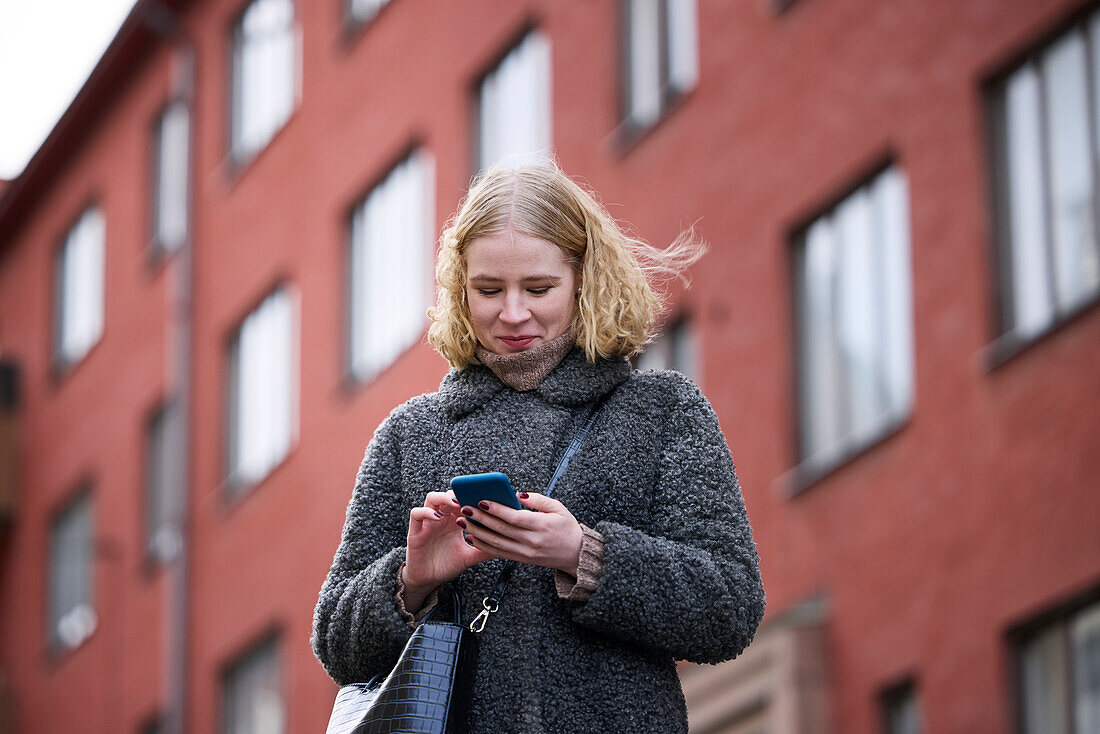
{"x": 521, "y": 291}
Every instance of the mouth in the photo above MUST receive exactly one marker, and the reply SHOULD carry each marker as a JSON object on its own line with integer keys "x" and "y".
{"x": 517, "y": 341}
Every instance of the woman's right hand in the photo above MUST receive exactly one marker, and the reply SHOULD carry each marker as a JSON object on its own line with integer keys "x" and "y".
{"x": 436, "y": 549}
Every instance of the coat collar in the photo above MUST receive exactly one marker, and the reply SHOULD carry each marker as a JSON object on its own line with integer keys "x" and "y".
{"x": 575, "y": 381}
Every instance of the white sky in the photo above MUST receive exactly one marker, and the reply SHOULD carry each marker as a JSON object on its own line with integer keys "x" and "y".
{"x": 47, "y": 50}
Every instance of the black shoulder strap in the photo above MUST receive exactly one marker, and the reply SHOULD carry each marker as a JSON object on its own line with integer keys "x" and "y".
{"x": 491, "y": 603}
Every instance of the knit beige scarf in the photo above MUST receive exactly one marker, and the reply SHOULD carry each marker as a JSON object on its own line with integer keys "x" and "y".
{"x": 525, "y": 370}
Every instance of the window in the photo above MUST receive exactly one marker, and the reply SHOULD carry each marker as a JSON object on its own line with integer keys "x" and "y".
{"x": 264, "y": 74}
{"x": 514, "y": 106}
{"x": 253, "y": 693}
{"x": 852, "y": 284}
{"x": 262, "y": 390}
{"x": 674, "y": 349}
{"x": 390, "y": 270}
{"x": 156, "y": 725}
{"x": 71, "y": 617}
{"x": 784, "y": 670}
{"x": 163, "y": 489}
{"x": 900, "y": 710}
{"x": 171, "y": 177}
{"x": 360, "y": 11}
{"x": 1046, "y": 132}
{"x": 1059, "y": 675}
{"x": 661, "y": 57}
{"x": 79, "y": 289}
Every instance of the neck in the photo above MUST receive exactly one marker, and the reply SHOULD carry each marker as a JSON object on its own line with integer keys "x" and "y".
{"x": 525, "y": 370}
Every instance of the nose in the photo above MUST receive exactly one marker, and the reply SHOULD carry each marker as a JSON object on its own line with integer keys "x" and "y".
{"x": 515, "y": 309}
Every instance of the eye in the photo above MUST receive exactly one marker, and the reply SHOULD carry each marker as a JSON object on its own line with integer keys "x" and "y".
{"x": 488, "y": 291}
{"x": 539, "y": 291}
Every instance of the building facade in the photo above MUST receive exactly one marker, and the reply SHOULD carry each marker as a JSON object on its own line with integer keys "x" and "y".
{"x": 213, "y": 277}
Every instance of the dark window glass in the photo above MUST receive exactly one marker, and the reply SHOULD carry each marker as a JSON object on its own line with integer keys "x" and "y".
{"x": 1059, "y": 681}
{"x": 855, "y": 332}
{"x": 163, "y": 490}
{"x": 360, "y": 11}
{"x": 262, "y": 390}
{"x": 253, "y": 693}
{"x": 673, "y": 349}
{"x": 171, "y": 177}
{"x": 79, "y": 289}
{"x": 900, "y": 710}
{"x": 390, "y": 266}
{"x": 264, "y": 74}
{"x": 514, "y": 106}
{"x": 1046, "y": 153}
{"x": 660, "y": 56}
{"x": 71, "y": 616}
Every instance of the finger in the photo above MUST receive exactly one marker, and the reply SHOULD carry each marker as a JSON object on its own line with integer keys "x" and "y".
{"x": 443, "y": 502}
{"x": 540, "y": 502}
{"x": 418, "y": 516}
{"x": 472, "y": 555}
{"x": 491, "y": 520}
{"x": 499, "y": 537}
{"x": 520, "y": 518}
{"x": 489, "y": 541}
{"x": 488, "y": 551}
{"x": 425, "y": 513}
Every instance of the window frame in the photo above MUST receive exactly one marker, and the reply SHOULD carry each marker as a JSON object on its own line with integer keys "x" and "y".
{"x": 61, "y": 365}
{"x": 81, "y": 497}
{"x": 682, "y": 331}
{"x": 158, "y": 249}
{"x": 898, "y": 693}
{"x": 238, "y": 161}
{"x": 512, "y": 44}
{"x": 670, "y": 95}
{"x": 805, "y": 473}
{"x": 1056, "y": 618}
{"x": 350, "y": 378}
{"x": 1007, "y": 342}
{"x": 160, "y": 417}
{"x": 269, "y": 643}
{"x": 234, "y": 489}
{"x": 155, "y": 724}
{"x": 353, "y": 28}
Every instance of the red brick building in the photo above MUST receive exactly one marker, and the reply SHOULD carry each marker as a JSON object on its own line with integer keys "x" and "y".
{"x": 896, "y": 324}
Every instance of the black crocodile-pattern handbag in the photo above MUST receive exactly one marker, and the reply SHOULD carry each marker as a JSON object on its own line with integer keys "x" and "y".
{"x": 427, "y": 692}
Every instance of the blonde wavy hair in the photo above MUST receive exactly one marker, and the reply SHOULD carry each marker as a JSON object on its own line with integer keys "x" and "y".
{"x": 620, "y": 275}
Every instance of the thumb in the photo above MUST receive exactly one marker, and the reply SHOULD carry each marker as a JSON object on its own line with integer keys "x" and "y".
{"x": 539, "y": 502}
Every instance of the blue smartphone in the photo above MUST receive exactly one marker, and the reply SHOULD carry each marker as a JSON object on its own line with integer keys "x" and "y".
{"x": 470, "y": 489}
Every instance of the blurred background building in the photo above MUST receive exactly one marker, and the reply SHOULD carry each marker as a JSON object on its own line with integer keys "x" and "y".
{"x": 213, "y": 277}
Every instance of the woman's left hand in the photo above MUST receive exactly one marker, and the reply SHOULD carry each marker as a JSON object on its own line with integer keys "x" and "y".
{"x": 550, "y": 537}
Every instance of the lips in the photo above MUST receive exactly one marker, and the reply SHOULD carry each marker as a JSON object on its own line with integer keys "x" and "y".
{"x": 517, "y": 341}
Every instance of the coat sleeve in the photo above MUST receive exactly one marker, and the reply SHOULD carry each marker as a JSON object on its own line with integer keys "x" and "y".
{"x": 357, "y": 629}
{"x": 689, "y": 584}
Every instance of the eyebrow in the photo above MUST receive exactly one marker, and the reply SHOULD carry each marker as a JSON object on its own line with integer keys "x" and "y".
{"x": 553, "y": 279}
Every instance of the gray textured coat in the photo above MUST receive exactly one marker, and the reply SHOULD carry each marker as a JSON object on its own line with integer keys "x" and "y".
{"x": 680, "y": 576}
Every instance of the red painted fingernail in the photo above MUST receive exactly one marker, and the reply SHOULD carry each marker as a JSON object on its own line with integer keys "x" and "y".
{"x": 461, "y": 523}
{"x": 483, "y": 505}
{"x": 455, "y": 501}
{"x": 437, "y": 515}
{"x": 523, "y": 495}
{"x": 467, "y": 512}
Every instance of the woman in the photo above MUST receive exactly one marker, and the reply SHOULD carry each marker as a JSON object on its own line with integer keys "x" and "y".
{"x": 644, "y": 554}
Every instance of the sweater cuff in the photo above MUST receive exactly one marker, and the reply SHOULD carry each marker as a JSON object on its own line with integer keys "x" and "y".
{"x": 413, "y": 619}
{"x": 589, "y": 566}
